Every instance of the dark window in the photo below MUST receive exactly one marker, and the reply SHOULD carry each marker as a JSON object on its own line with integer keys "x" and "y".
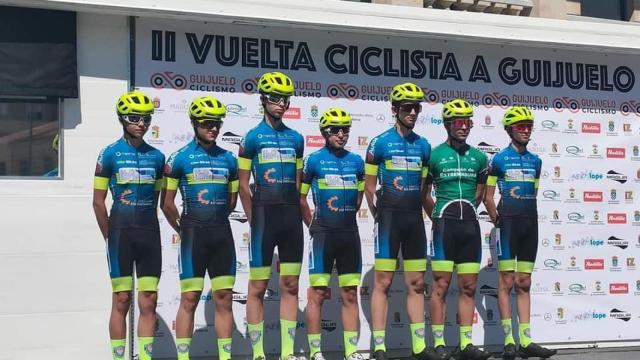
{"x": 609, "y": 9}
{"x": 29, "y": 137}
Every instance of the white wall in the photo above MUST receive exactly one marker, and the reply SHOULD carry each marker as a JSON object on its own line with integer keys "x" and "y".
{"x": 55, "y": 291}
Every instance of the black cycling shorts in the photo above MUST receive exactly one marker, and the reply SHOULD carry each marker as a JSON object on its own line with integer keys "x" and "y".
{"x": 518, "y": 240}
{"x": 456, "y": 242}
{"x": 127, "y": 246}
{"x": 395, "y": 230}
{"x": 343, "y": 248}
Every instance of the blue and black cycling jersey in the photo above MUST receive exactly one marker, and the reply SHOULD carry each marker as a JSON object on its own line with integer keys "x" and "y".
{"x": 517, "y": 176}
{"x": 400, "y": 163}
{"x": 335, "y": 180}
{"x": 205, "y": 178}
{"x": 273, "y": 156}
{"x": 134, "y": 176}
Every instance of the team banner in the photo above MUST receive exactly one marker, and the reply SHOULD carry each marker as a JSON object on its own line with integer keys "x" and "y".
{"x": 587, "y": 106}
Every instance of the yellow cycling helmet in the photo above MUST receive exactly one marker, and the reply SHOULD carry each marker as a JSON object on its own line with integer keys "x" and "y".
{"x": 335, "y": 117}
{"x": 407, "y": 92}
{"x": 134, "y": 103}
{"x": 456, "y": 108}
{"x": 207, "y": 107}
{"x": 516, "y": 114}
{"x": 275, "y": 83}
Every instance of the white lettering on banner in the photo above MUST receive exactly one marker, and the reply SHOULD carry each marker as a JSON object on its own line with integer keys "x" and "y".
{"x": 584, "y": 104}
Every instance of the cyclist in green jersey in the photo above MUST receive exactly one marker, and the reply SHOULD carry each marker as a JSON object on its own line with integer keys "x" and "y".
{"x": 516, "y": 172}
{"x": 458, "y": 172}
{"x": 207, "y": 177}
{"x": 132, "y": 170}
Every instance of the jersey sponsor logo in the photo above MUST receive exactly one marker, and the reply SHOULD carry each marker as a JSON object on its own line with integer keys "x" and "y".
{"x": 618, "y": 288}
{"x": 277, "y": 155}
{"x": 127, "y": 174}
{"x": 293, "y": 113}
{"x": 592, "y": 196}
{"x": 347, "y": 180}
{"x": 211, "y": 174}
{"x": 616, "y": 153}
{"x": 591, "y": 128}
{"x": 617, "y": 218}
{"x": 594, "y": 264}
{"x": 406, "y": 162}
{"x": 315, "y": 141}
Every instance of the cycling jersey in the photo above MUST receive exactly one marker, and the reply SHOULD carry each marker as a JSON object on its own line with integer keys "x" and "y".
{"x": 205, "y": 178}
{"x": 517, "y": 175}
{"x": 133, "y": 175}
{"x": 273, "y": 156}
{"x": 335, "y": 181}
{"x": 455, "y": 175}
{"x": 400, "y": 163}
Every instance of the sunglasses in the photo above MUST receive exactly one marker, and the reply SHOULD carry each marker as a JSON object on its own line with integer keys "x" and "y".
{"x": 277, "y": 99}
{"x": 135, "y": 119}
{"x": 460, "y": 123}
{"x": 522, "y": 127}
{"x": 335, "y": 130}
{"x": 408, "y": 107}
{"x": 209, "y": 123}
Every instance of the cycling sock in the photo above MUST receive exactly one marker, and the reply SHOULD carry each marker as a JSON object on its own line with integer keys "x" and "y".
{"x": 350, "y": 342}
{"x": 118, "y": 348}
{"x": 508, "y": 332}
{"x": 256, "y": 332}
{"x": 417, "y": 337}
{"x": 224, "y": 349}
{"x": 183, "y": 345}
{"x": 378, "y": 340}
{"x": 525, "y": 334}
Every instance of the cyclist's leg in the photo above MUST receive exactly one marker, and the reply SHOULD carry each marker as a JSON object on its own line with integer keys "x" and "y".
{"x": 290, "y": 248}
{"x": 262, "y": 244}
{"x": 349, "y": 264}
{"x": 321, "y": 257}
{"x": 222, "y": 270}
{"x": 192, "y": 261}
{"x": 120, "y": 262}
{"x": 469, "y": 246}
{"x": 414, "y": 245}
{"x": 387, "y": 247}
{"x": 442, "y": 269}
{"x": 507, "y": 267}
{"x": 148, "y": 258}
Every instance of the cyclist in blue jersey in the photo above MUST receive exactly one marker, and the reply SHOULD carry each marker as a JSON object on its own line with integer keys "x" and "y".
{"x": 132, "y": 170}
{"x": 336, "y": 178}
{"x": 516, "y": 171}
{"x": 207, "y": 177}
{"x": 398, "y": 159}
{"x": 273, "y": 153}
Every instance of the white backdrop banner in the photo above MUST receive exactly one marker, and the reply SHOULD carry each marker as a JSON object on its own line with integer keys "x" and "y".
{"x": 585, "y": 287}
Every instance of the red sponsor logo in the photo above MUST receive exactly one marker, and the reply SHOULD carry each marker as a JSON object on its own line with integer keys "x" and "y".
{"x": 592, "y": 196}
{"x": 292, "y": 113}
{"x": 618, "y": 288}
{"x": 617, "y": 218}
{"x": 591, "y": 128}
{"x": 315, "y": 141}
{"x": 594, "y": 264}
{"x": 616, "y": 153}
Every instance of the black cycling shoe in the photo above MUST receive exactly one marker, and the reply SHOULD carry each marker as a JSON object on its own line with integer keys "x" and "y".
{"x": 535, "y": 350}
{"x": 471, "y": 352}
{"x": 509, "y": 352}
{"x": 380, "y": 355}
{"x": 425, "y": 354}
{"x": 441, "y": 353}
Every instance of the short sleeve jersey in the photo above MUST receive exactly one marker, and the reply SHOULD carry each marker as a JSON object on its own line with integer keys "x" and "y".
{"x": 455, "y": 176}
{"x": 273, "y": 156}
{"x": 205, "y": 178}
{"x": 133, "y": 175}
{"x": 400, "y": 163}
{"x": 335, "y": 181}
{"x": 517, "y": 176}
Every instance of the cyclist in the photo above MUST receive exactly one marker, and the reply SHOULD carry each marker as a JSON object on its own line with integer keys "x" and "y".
{"x": 458, "y": 172}
{"x": 398, "y": 159}
{"x": 516, "y": 171}
{"x": 273, "y": 153}
{"x": 207, "y": 177}
{"x": 336, "y": 177}
{"x": 132, "y": 170}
